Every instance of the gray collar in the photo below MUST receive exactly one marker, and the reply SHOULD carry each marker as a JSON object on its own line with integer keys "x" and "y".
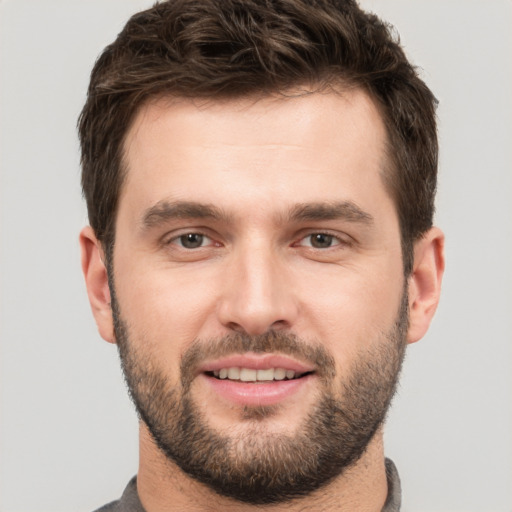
{"x": 394, "y": 499}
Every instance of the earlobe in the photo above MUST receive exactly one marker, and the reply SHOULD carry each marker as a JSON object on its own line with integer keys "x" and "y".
{"x": 96, "y": 281}
{"x": 425, "y": 282}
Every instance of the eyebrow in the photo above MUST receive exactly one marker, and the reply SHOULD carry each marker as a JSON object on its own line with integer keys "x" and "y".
{"x": 164, "y": 211}
{"x": 344, "y": 210}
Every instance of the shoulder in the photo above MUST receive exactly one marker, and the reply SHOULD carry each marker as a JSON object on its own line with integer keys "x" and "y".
{"x": 129, "y": 501}
{"x": 394, "y": 499}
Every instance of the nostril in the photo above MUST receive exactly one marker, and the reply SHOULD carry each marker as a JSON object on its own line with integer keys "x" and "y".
{"x": 235, "y": 327}
{"x": 256, "y": 329}
{"x": 279, "y": 325}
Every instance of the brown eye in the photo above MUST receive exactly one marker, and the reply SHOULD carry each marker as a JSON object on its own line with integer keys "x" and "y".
{"x": 321, "y": 240}
{"x": 191, "y": 240}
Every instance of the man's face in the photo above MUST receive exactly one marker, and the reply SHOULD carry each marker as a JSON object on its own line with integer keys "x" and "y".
{"x": 256, "y": 240}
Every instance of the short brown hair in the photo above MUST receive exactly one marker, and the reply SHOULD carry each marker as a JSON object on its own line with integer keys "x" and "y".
{"x": 222, "y": 49}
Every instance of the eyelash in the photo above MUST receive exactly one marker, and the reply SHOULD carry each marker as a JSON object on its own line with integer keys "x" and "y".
{"x": 179, "y": 238}
{"x": 334, "y": 240}
{"x": 338, "y": 241}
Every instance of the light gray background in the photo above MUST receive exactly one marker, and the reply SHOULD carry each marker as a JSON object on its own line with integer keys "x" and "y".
{"x": 68, "y": 436}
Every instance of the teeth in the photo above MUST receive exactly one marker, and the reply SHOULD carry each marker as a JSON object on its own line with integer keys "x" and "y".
{"x": 265, "y": 374}
{"x": 247, "y": 375}
{"x": 279, "y": 374}
{"x": 234, "y": 373}
{"x": 250, "y": 375}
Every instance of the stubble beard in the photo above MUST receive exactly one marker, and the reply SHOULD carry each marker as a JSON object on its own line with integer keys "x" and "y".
{"x": 253, "y": 464}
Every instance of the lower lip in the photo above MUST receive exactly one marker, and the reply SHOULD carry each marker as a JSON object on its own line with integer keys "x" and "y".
{"x": 257, "y": 393}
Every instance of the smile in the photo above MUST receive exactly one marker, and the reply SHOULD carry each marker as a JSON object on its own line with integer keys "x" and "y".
{"x": 252, "y": 375}
{"x": 252, "y": 379}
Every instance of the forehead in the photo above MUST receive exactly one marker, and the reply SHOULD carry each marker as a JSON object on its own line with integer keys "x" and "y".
{"x": 309, "y": 147}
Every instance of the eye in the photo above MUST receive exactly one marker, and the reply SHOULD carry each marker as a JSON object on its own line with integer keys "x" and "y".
{"x": 192, "y": 240}
{"x": 320, "y": 241}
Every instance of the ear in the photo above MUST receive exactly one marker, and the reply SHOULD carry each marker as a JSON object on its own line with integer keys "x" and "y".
{"x": 425, "y": 282}
{"x": 96, "y": 281}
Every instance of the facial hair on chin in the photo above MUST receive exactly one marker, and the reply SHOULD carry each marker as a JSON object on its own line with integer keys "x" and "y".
{"x": 253, "y": 465}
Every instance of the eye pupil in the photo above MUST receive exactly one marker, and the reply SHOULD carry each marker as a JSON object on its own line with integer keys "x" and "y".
{"x": 321, "y": 240}
{"x": 191, "y": 240}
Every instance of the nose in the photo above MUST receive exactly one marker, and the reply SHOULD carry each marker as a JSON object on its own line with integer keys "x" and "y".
{"x": 257, "y": 295}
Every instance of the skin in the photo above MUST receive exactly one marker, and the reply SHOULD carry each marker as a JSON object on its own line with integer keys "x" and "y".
{"x": 257, "y": 161}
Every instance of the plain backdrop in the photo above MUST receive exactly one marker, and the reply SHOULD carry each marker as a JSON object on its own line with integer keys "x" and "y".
{"x": 68, "y": 434}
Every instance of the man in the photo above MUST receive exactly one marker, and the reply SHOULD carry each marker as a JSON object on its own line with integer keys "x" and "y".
{"x": 260, "y": 178}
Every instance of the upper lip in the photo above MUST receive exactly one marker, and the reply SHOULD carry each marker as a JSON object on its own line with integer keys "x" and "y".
{"x": 257, "y": 361}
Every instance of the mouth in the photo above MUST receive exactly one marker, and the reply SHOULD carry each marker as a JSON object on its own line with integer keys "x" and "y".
{"x": 235, "y": 373}
{"x": 257, "y": 379}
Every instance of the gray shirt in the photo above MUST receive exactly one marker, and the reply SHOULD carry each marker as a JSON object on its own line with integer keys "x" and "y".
{"x": 129, "y": 501}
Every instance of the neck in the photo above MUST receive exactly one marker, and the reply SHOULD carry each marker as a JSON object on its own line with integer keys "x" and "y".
{"x": 163, "y": 487}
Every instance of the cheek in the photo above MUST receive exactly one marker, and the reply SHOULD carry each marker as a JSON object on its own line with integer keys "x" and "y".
{"x": 349, "y": 311}
{"x": 166, "y": 309}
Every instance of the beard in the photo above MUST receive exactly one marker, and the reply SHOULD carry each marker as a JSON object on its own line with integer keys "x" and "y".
{"x": 250, "y": 463}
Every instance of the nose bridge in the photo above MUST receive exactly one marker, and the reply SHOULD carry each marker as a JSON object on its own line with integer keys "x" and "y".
{"x": 256, "y": 297}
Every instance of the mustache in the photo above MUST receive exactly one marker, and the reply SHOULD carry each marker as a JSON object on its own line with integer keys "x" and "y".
{"x": 270, "y": 342}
